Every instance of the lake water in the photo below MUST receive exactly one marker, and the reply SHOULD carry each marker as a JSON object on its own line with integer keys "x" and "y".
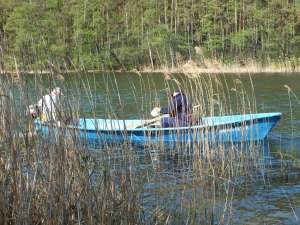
{"x": 275, "y": 200}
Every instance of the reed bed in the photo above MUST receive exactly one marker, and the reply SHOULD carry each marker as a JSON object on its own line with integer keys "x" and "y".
{"x": 59, "y": 180}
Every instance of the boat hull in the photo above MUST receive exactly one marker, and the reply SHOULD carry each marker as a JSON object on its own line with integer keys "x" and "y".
{"x": 223, "y": 129}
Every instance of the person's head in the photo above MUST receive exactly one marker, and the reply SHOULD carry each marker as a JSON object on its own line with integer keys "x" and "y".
{"x": 33, "y": 111}
{"x": 57, "y": 91}
{"x": 177, "y": 92}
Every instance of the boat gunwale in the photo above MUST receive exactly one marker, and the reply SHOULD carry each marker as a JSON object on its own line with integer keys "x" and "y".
{"x": 176, "y": 129}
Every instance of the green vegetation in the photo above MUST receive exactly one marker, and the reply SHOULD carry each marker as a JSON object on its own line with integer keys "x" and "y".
{"x": 126, "y": 34}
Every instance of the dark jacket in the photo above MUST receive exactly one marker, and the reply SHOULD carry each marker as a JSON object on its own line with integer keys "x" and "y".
{"x": 179, "y": 105}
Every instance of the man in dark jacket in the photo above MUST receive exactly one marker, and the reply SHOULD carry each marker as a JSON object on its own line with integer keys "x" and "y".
{"x": 179, "y": 111}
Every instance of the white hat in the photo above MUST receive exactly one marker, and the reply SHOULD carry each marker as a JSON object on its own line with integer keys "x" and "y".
{"x": 176, "y": 93}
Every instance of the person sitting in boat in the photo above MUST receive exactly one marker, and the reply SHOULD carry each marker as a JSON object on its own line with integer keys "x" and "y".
{"x": 179, "y": 111}
{"x": 49, "y": 105}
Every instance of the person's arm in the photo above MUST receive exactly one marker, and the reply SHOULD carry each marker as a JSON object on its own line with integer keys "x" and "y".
{"x": 156, "y": 111}
{"x": 40, "y": 105}
{"x": 166, "y": 110}
{"x": 170, "y": 108}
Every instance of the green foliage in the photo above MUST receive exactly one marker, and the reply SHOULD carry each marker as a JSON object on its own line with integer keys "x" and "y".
{"x": 239, "y": 39}
{"x": 129, "y": 34}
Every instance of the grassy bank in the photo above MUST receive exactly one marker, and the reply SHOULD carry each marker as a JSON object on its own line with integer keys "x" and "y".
{"x": 189, "y": 67}
{"x": 217, "y": 67}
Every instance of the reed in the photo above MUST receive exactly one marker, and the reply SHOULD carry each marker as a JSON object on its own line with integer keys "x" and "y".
{"x": 59, "y": 180}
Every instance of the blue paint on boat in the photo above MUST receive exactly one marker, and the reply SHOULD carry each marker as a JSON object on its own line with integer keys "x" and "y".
{"x": 217, "y": 129}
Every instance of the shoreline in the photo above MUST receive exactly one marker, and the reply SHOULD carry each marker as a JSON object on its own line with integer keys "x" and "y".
{"x": 214, "y": 67}
{"x": 190, "y": 68}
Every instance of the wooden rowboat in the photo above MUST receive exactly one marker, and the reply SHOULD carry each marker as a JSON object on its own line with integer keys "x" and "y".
{"x": 217, "y": 129}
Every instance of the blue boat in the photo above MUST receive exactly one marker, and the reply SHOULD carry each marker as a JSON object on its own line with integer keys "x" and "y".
{"x": 217, "y": 129}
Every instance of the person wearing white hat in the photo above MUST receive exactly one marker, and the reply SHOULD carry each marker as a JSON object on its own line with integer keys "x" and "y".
{"x": 48, "y": 105}
{"x": 179, "y": 111}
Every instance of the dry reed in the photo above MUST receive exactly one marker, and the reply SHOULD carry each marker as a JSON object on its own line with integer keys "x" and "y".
{"x": 59, "y": 180}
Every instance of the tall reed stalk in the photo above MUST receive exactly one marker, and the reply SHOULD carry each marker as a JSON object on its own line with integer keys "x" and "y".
{"x": 59, "y": 180}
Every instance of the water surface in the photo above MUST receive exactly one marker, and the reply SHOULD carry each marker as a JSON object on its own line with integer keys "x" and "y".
{"x": 275, "y": 200}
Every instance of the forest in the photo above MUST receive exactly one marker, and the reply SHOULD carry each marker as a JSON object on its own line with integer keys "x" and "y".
{"x": 128, "y": 34}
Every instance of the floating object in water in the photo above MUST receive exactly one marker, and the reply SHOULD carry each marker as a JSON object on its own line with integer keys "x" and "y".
{"x": 217, "y": 129}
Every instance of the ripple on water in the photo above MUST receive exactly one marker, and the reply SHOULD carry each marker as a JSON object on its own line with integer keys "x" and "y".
{"x": 274, "y": 204}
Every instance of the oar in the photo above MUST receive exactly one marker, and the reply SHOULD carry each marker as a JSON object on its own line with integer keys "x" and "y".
{"x": 156, "y": 119}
